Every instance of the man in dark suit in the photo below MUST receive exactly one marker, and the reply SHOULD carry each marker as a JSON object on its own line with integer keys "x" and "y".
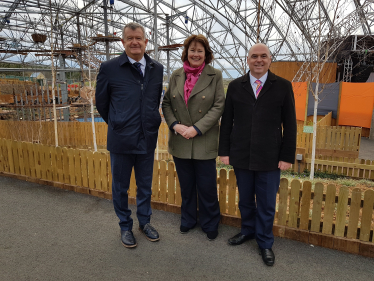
{"x": 128, "y": 93}
{"x": 258, "y": 105}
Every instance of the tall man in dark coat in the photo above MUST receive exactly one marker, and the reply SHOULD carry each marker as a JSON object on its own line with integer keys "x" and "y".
{"x": 258, "y": 105}
{"x": 128, "y": 93}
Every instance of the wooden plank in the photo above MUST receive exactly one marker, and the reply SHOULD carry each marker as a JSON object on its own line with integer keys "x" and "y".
{"x": 25, "y": 153}
{"x": 163, "y": 181}
{"x": 328, "y": 137}
{"x": 305, "y": 205}
{"x": 222, "y": 190}
{"x": 37, "y": 161}
{"x": 341, "y": 212}
{"x": 232, "y": 193}
{"x": 329, "y": 209}
{"x": 9, "y": 145}
{"x": 155, "y": 182}
{"x": 171, "y": 183}
{"x": 84, "y": 167}
{"x": 20, "y": 158}
{"x": 43, "y": 162}
{"x": 109, "y": 173}
{"x": 342, "y": 138}
{"x": 104, "y": 172}
{"x": 78, "y": 167}
{"x": 65, "y": 160}
{"x": 90, "y": 169}
{"x": 178, "y": 197}
{"x": 357, "y": 170}
{"x": 354, "y": 213}
{"x": 59, "y": 164}
{"x": 334, "y": 139}
{"x": 283, "y": 198}
{"x": 70, "y": 153}
{"x": 54, "y": 173}
{"x": 132, "y": 189}
{"x": 367, "y": 215}
{"x": 31, "y": 165}
{"x": 367, "y": 170}
{"x": 294, "y": 203}
{"x": 97, "y": 160}
{"x": 317, "y": 207}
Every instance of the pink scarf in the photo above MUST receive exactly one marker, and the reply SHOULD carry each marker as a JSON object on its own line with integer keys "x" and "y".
{"x": 193, "y": 75}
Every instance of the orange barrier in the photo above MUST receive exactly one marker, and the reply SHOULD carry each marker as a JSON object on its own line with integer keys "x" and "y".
{"x": 300, "y": 90}
{"x": 356, "y": 104}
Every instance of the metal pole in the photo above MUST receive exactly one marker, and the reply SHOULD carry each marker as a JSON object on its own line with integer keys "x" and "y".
{"x": 155, "y": 30}
{"x": 64, "y": 90}
{"x": 106, "y": 29}
{"x": 168, "y": 43}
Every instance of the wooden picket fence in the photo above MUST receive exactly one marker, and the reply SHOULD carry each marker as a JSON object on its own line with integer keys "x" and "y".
{"x": 70, "y": 134}
{"x": 343, "y": 166}
{"x": 331, "y": 140}
{"x": 314, "y": 215}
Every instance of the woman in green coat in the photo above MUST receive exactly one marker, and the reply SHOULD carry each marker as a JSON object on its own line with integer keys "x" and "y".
{"x": 192, "y": 107}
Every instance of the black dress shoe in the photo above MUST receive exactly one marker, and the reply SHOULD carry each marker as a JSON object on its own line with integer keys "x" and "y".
{"x": 185, "y": 229}
{"x": 128, "y": 239}
{"x": 240, "y": 238}
{"x": 211, "y": 235}
{"x": 150, "y": 232}
{"x": 267, "y": 256}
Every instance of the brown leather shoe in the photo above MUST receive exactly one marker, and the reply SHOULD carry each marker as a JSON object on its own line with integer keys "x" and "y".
{"x": 240, "y": 238}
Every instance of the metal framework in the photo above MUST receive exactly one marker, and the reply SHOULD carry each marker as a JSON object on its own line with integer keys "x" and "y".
{"x": 291, "y": 29}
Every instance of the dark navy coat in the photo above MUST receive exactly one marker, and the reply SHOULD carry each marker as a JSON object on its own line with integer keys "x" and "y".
{"x": 251, "y": 129}
{"x": 129, "y": 104}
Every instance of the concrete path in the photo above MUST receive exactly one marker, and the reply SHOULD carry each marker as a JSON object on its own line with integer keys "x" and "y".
{"x": 52, "y": 234}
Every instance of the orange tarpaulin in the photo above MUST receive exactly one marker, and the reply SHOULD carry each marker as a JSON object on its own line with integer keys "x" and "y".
{"x": 300, "y": 94}
{"x": 356, "y": 104}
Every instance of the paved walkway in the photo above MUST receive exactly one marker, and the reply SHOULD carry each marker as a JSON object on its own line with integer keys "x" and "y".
{"x": 52, "y": 234}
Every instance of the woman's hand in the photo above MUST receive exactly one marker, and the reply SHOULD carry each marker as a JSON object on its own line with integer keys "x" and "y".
{"x": 225, "y": 160}
{"x": 189, "y": 133}
{"x": 180, "y": 129}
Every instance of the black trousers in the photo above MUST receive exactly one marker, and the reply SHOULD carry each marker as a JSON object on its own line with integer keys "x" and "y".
{"x": 198, "y": 181}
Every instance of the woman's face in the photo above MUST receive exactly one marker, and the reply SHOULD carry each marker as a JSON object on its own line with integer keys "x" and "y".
{"x": 196, "y": 54}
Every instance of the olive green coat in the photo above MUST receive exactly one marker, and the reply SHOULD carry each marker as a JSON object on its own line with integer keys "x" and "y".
{"x": 205, "y": 107}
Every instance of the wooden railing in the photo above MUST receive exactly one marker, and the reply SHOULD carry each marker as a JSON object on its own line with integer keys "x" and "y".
{"x": 350, "y": 167}
{"x": 332, "y": 141}
{"x": 70, "y": 134}
{"x": 342, "y": 221}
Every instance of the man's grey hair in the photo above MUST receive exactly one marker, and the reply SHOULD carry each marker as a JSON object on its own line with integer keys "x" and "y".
{"x": 133, "y": 26}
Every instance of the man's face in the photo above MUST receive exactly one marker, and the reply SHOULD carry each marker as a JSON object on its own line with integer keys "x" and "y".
{"x": 134, "y": 43}
{"x": 259, "y": 60}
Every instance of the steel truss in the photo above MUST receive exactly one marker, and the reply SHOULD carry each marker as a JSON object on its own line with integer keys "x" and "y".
{"x": 290, "y": 28}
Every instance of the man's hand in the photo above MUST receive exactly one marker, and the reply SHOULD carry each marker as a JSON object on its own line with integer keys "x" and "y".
{"x": 180, "y": 129}
{"x": 284, "y": 165}
{"x": 225, "y": 159}
{"x": 189, "y": 133}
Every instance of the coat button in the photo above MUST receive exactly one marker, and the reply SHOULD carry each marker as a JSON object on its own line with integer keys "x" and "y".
{"x": 174, "y": 96}
{"x": 175, "y": 109}
{"x": 203, "y": 97}
{"x": 200, "y": 110}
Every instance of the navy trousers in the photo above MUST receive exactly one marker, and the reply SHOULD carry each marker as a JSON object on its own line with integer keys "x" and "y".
{"x": 198, "y": 181}
{"x": 258, "y": 213}
{"x": 122, "y": 165}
